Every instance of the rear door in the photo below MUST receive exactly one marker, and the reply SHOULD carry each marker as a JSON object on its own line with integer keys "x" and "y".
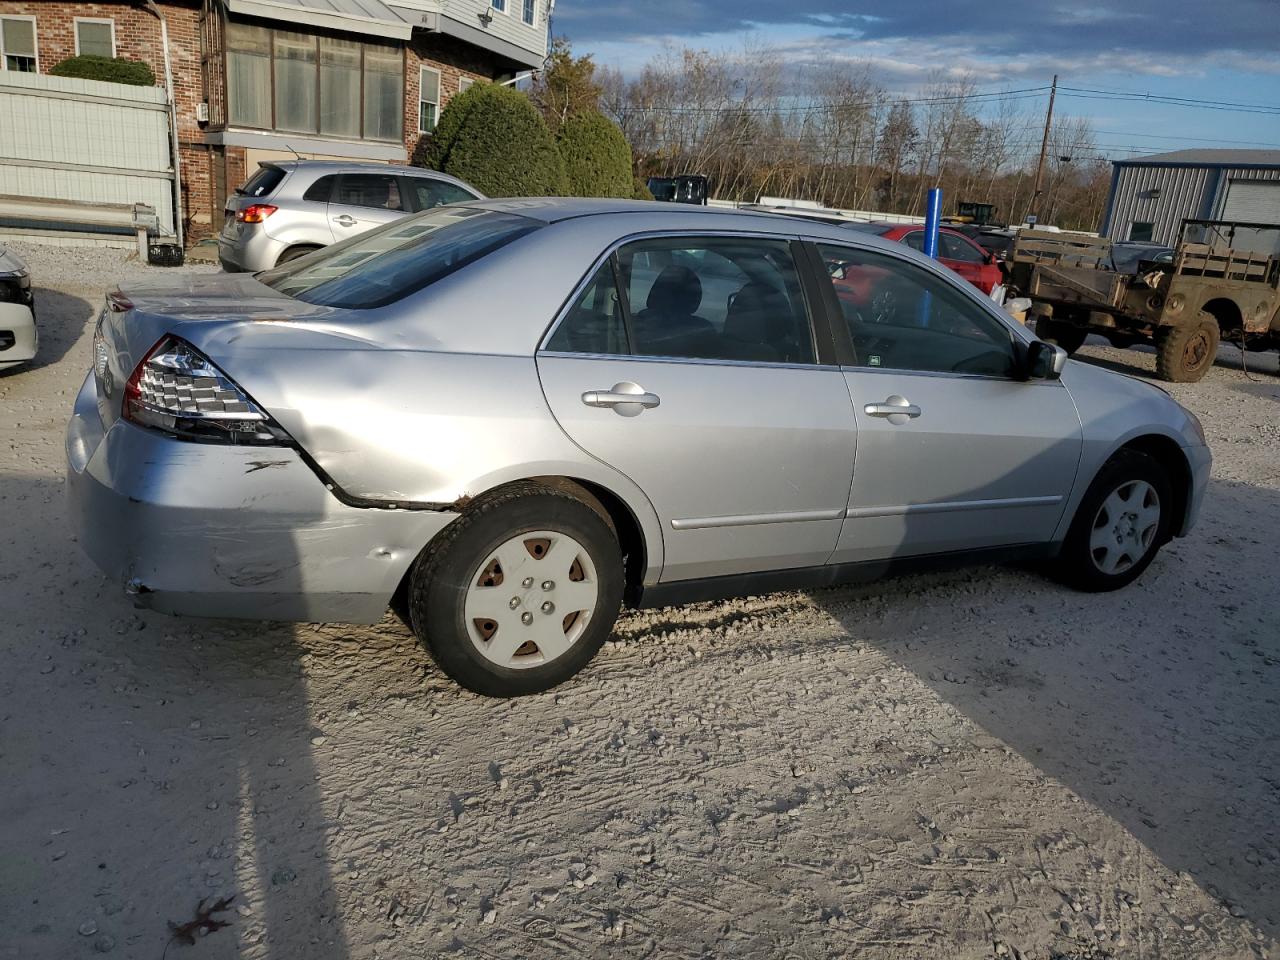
{"x": 363, "y": 201}
{"x": 689, "y": 364}
{"x": 954, "y": 453}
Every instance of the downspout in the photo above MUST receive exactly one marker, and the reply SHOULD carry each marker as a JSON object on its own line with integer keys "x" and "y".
{"x": 156, "y": 12}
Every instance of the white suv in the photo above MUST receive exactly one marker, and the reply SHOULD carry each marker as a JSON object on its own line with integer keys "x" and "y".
{"x": 288, "y": 209}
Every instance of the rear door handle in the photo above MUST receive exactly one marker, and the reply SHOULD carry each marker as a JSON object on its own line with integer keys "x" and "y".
{"x": 345, "y": 220}
{"x": 626, "y": 398}
{"x": 893, "y": 407}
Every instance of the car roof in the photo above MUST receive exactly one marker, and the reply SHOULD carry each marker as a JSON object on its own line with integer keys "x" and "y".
{"x": 321, "y": 167}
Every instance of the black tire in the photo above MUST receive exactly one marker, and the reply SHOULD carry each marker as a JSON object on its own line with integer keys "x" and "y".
{"x": 444, "y": 573}
{"x": 293, "y": 253}
{"x": 1185, "y": 354}
{"x": 1077, "y": 565}
{"x": 1060, "y": 333}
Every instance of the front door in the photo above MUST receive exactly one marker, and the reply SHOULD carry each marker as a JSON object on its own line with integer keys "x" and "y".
{"x": 688, "y": 364}
{"x": 953, "y": 452}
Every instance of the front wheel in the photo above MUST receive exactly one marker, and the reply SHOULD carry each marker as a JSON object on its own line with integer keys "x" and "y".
{"x": 518, "y": 594}
{"x": 1184, "y": 354}
{"x": 1121, "y": 523}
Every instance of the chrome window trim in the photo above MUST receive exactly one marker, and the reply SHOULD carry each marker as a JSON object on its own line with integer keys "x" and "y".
{"x": 699, "y": 361}
{"x": 949, "y": 375}
{"x": 810, "y": 309}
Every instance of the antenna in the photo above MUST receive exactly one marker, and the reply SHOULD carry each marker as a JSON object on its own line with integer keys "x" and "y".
{"x": 293, "y": 151}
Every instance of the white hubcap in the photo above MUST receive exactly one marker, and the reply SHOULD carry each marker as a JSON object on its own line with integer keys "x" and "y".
{"x": 1125, "y": 527}
{"x": 530, "y": 600}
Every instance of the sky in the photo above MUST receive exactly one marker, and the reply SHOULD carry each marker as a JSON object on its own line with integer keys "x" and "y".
{"x": 1226, "y": 51}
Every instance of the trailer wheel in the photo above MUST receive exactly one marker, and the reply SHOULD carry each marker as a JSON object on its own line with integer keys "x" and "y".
{"x": 1185, "y": 354}
{"x": 1060, "y": 333}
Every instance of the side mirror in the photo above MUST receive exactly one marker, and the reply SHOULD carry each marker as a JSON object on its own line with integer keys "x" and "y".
{"x": 1045, "y": 361}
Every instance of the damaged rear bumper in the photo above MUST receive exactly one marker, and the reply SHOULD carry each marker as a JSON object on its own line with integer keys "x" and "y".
{"x": 230, "y": 531}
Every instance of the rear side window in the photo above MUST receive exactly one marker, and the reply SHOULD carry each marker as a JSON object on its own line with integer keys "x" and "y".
{"x": 712, "y": 298}
{"x": 321, "y": 190}
{"x": 263, "y": 183}
{"x": 379, "y": 190}
{"x": 389, "y": 263}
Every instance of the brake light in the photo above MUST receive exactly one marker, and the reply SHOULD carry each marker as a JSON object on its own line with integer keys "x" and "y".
{"x": 255, "y": 212}
{"x": 180, "y": 391}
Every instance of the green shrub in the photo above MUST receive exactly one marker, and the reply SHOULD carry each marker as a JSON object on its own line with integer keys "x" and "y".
{"x": 597, "y": 157}
{"x": 642, "y": 191}
{"x": 112, "y": 70}
{"x": 494, "y": 138}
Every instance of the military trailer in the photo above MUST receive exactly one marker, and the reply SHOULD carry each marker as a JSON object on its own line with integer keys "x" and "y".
{"x": 1220, "y": 283}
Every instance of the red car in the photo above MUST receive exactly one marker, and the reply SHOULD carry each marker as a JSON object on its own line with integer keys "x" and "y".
{"x": 955, "y": 250}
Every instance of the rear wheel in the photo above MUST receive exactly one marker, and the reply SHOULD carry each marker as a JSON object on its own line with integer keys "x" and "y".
{"x": 1065, "y": 335}
{"x": 1185, "y": 354}
{"x": 518, "y": 594}
{"x": 293, "y": 253}
{"x": 1122, "y": 521}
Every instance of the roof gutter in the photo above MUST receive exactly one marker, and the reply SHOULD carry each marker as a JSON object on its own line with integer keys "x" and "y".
{"x": 155, "y": 11}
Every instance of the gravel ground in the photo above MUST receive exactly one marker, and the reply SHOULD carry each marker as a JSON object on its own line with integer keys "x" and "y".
{"x": 968, "y": 765}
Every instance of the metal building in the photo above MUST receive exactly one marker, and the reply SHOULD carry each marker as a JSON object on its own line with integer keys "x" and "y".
{"x": 1151, "y": 196}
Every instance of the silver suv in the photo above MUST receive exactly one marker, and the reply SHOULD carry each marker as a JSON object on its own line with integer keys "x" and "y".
{"x": 290, "y": 208}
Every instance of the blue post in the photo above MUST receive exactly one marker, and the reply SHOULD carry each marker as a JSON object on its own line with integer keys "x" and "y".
{"x": 932, "y": 214}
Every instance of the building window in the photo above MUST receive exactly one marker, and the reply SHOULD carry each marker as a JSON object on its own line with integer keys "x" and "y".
{"x": 18, "y": 44}
{"x": 95, "y": 38}
{"x": 465, "y": 83}
{"x": 301, "y": 83}
{"x": 499, "y": 5}
{"x": 530, "y": 9}
{"x": 1141, "y": 231}
{"x": 428, "y": 99}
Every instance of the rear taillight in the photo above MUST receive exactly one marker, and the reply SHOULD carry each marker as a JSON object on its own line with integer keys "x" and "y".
{"x": 180, "y": 391}
{"x": 255, "y": 212}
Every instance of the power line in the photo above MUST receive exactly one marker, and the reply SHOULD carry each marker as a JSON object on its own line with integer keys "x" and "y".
{"x": 1078, "y": 94}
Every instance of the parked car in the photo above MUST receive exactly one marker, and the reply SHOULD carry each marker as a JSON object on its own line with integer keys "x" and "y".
{"x": 19, "y": 338}
{"x": 288, "y": 209}
{"x": 517, "y": 415}
{"x": 955, "y": 251}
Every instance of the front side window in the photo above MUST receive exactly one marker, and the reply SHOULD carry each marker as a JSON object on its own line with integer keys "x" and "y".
{"x": 18, "y": 43}
{"x": 957, "y": 248}
{"x": 901, "y": 316}
{"x": 95, "y": 38}
{"x": 391, "y": 262}
{"x": 428, "y": 192}
{"x": 428, "y": 99}
{"x": 530, "y": 10}
{"x": 712, "y": 299}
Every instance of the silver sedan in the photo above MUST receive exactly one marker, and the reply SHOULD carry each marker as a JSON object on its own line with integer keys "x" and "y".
{"x": 509, "y": 418}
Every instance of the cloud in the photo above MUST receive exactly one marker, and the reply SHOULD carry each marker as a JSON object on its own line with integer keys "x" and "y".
{"x": 1158, "y": 33}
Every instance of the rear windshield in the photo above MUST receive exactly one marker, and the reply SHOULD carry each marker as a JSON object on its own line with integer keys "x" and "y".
{"x": 263, "y": 183}
{"x": 391, "y": 262}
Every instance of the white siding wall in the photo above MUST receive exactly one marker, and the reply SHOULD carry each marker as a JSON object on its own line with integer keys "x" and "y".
{"x": 508, "y": 26}
{"x": 85, "y": 140}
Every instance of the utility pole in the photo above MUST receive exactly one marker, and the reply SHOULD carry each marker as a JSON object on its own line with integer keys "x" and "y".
{"x": 1044, "y": 149}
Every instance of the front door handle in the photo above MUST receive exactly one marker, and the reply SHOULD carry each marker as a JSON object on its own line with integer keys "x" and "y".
{"x": 895, "y": 409}
{"x": 626, "y": 398}
{"x": 345, "y": 220}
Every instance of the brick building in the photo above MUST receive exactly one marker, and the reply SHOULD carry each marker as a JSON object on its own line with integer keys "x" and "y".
{"x": 262, "y": 79}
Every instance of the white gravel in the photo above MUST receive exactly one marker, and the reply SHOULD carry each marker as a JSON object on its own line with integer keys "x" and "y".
{"x": 962, "y": 766}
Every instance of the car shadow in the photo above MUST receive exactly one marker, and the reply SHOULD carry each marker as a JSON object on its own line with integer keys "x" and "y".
{"x": 1156, "y": 703}
{"x": 154, "y": 764}
{"x": 1139, "y": 360}
{"x": 60, "y": 322}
